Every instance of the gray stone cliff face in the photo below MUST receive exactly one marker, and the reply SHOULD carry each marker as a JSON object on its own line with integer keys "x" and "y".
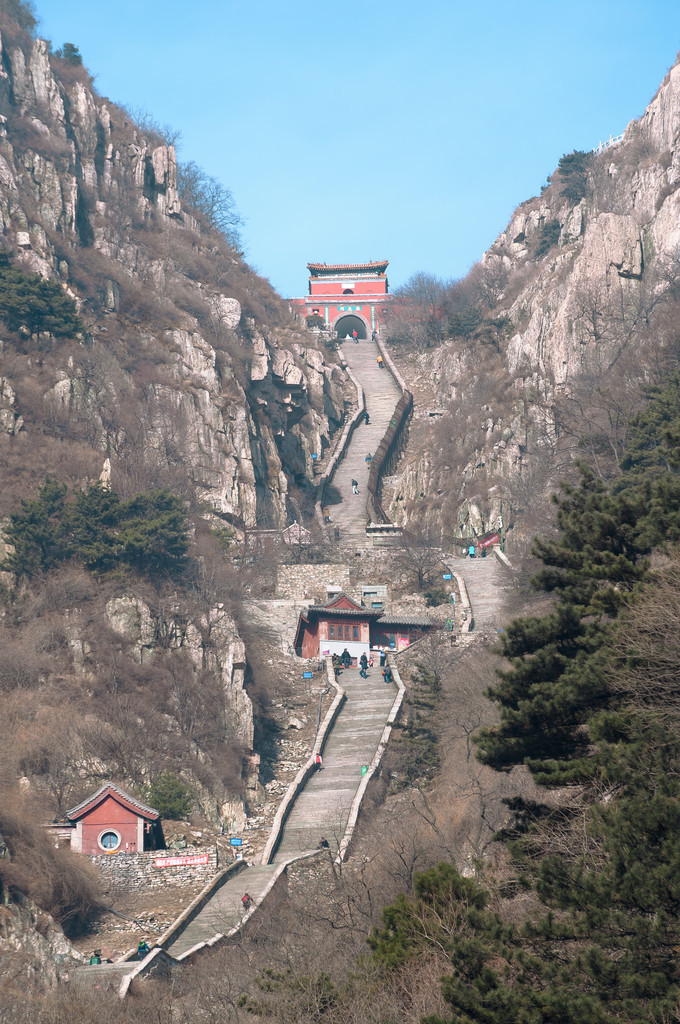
{"x": 86, "y": 198}
{"x": 568, "y": 317}
{"x": 190, "y": 373}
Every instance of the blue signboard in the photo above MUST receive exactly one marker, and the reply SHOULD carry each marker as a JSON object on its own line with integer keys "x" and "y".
{"x": 447, "y": 576}
{"x": 314, "y": 455}
{"x": 306, "y": 675}
{"x": 236, "y": 842}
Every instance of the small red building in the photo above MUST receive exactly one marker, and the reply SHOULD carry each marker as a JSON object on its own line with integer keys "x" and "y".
{"x": 330, "y": 628}
{"x": 349, "y": 296}
{"x": 112, "y": 821}
{"x": 327, "y": 629}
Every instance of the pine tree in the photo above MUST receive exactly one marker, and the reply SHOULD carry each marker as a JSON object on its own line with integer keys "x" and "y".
{"x": 36, "y": 533}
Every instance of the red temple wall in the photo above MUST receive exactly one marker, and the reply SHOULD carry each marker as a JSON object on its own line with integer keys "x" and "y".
{"x": 330, "y": 289}
{"x": 109, "y": 814}
{"x": 310, "y": 640}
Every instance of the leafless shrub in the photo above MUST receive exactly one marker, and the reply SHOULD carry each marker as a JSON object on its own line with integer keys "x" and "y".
{"x": 59, "y": 881}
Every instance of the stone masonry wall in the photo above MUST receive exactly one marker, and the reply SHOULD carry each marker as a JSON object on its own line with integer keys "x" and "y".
{"x": 300, "y": 581}
{"x": 125, "y": 871}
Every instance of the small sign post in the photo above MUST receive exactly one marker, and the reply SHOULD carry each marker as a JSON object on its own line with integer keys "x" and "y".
{"x": 306, "y": 675}
{"x": 446, "y": 576}
{"x": 364, "y": 769}
{"x": 236, "y": 842}
{"x": 315, "y": 455}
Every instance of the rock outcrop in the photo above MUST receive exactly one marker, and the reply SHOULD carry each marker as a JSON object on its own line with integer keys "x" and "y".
{"x": 89, "y": 199}
{"x": 564, "y": 292}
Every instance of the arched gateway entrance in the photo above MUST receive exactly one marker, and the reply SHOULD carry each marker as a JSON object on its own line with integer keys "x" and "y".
{"x": 346, "y": 324}
{"x": 348, "y": 296}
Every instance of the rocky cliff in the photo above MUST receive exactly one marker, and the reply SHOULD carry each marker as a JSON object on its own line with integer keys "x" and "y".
{"x": 573, "y": 313}
{"x": 190, "y": 374}
{"x": 189, "y": 358}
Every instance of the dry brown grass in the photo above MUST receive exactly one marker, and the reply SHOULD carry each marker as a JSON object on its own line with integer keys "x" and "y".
{"x": 57, "y": 880}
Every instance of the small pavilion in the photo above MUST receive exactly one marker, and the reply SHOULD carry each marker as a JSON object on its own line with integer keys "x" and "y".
{"x": 327, "y": 629}
{"x": 112, "y": 821}
{"x": 348, "y": 296}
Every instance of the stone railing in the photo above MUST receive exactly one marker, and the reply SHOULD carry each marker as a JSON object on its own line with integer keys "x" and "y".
{"x": 387, "y": 450}
{"x": 197, "y": 905}
{"x": 346, "y": 840}
{"x": 308, "y": 768}
{"x": 611, "y": 141}
{"x": 341, "y": 446}
{"x": 501, "y": 556}
{"x": 466, "y": 610}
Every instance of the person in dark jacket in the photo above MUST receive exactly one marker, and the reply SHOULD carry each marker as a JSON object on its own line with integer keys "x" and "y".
{"x": 345, "y": 656}
{"x": 363, "y": 661}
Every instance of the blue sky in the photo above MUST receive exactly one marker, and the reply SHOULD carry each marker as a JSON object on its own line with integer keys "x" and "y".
{"x": 365, "y": 129}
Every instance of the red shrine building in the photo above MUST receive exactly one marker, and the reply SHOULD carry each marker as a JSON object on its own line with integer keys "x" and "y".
{"x": 112, "y": 821}
{"x": 349, "y": 296}
{"x": 327, "y": 629}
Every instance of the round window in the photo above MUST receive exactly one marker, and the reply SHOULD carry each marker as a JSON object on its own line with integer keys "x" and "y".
{"x": 109, "y": 841}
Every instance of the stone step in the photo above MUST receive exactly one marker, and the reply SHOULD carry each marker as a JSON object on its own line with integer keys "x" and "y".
{"x": 349, "y": 511}
{"x": 225, "y": 909}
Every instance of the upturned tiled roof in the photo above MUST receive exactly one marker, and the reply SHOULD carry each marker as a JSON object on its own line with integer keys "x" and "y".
{"x": 379, "y": 266}
{"x": 113, "y": 790}
{"x": 405, "y": 620}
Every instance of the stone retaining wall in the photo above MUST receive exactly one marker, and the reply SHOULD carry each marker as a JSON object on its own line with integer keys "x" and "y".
{"x": 342, "y": 444}
{"x": 300, "y": 581}
{"x": 131, "y": 871}
{"x": 388, "y": 449}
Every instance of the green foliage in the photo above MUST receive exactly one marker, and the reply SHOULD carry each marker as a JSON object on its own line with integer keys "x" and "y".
{"x": 147, "y": 533}
{"x": 168, "y": 794}
{"x": 314, "y": 320}
{"x": 574, "y": 170}
{"x": 465, "y": 322}
{"x": 435, "y": 596}
{"x": 28, "y": 301}
{"x": 70, "y": 54}
{"x": 558, "y": 679}
{"x": 548, "y": 236}
{"x": 224, "y": 535}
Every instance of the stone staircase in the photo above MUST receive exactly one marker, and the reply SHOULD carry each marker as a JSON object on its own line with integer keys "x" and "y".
{"x": 105, "y": 977}
{"x": 489, "y": 585}
{"x": 225, "y": 910}
{"x": 348, "y": 511}
{"x": 322, "y": 809}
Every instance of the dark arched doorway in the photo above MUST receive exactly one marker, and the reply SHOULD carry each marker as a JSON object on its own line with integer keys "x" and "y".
{"x": 346, "y": 324}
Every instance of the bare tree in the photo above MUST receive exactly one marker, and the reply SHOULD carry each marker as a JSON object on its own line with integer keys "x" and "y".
{"x": 420, "y": 554}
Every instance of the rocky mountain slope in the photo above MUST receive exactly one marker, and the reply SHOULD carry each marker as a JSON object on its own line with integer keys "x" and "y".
{"x": 181, "y": 335}
{"x": 554, "y": 334}
{"x": 189, "y": 375}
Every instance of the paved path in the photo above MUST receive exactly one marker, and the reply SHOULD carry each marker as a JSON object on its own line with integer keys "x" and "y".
{"x": 348, "y": 511}
{"x": 225, "y": 910}
{"x": 489, "y": 586}
{"x": 322, "y": 809}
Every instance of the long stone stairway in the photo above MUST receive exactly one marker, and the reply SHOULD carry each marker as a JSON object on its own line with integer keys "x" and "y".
{"x": 322, "y": 809}
{"x": 348, "y": 511}
{"x": 489, "y": 586}
{"x": 225, "y": 910}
